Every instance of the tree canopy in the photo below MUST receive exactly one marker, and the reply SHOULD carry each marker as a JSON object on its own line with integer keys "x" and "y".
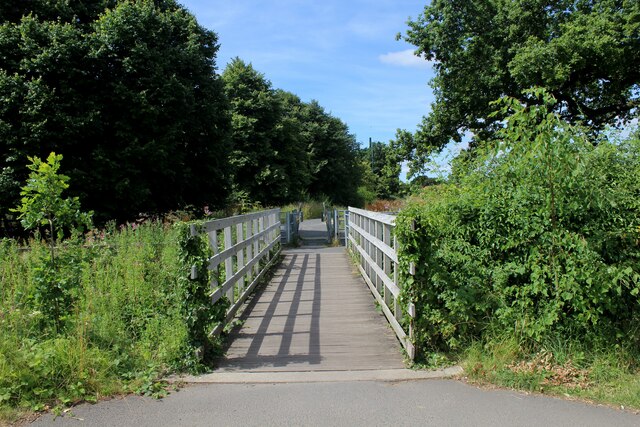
{"x": 382, "y": 166}
{"x": 285, "y": 149}
{"x": 586, "y": 53}
{"x": 129, "y": 95}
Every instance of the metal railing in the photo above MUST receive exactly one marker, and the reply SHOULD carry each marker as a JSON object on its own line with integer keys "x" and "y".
{"x": 372, "y": 241}
{"x": 337, "y": 221}
{"x": 244, "y": 248}
{"x": 291, "y": 225}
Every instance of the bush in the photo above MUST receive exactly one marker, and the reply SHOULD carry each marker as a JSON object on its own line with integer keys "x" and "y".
{"x": 127, "y": 312}
{"x": 312, "y": 209}
{"x": 540, "y": 236}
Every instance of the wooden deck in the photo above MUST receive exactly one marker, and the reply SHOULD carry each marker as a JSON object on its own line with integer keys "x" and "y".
{"x": 316, "y": 314}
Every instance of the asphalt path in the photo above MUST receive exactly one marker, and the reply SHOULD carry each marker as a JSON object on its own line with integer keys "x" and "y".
{"x": 360, "y": 403}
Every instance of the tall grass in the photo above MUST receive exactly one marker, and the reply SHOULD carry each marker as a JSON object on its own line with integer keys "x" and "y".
{"x": 310, "y": 210}
{"x": 121, "y": 318}
{"x": 558, "y": 366}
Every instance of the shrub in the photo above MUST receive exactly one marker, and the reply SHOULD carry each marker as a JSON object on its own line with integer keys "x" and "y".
{"x": 133, "y": 313}
{"x": 539, "y": 236}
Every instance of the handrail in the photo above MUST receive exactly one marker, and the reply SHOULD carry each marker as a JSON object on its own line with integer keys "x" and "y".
{"x": 372, "y": 241}
{"x": 243, "y": 250}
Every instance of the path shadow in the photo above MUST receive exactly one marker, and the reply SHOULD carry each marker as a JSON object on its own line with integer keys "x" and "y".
{"x": 298, "y": 270}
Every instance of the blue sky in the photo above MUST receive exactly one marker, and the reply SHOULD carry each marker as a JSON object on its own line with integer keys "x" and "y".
{"x": 342, "y": 53}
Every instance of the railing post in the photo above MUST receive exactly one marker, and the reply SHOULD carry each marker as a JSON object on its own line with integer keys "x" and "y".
{"x": 346, "y": 227}
{"x": 228, "y": 263}
{"x": 287, "y": 226}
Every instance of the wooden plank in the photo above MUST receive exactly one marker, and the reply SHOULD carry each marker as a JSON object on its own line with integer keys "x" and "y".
{"x": 231, "y": 312}
{"x": 314, "y": 315}
{"x": 377, "y": 216}
{"x": 240, "y": 255}
{"x": 228, "y": 264}
{"x": 393, "y": 288}
{"x": 401, "y": 334}
{"x": 227, "y": 286}
{"x": 376, "y": 246}
{"x": 221, "y": 256}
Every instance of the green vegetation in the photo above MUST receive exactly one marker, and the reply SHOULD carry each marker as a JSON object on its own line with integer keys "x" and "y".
{"x": 127, "y": 314}
{"x": 110, "y": 312}
{"x": 381, "y": 164}
{"x": 310, "y": 209}
{"x": 586, "y": 53}
{"x": 110, "y": 317}
{"x": 42, "y": 203}
{"x": 557, "y": 366}
{"x": 129, "y": 93}
{"x": 126, "y": 91}
{"x": 536, "y": 239}
{"x": 527, "y": 254}
{"x": 286, "y": 150}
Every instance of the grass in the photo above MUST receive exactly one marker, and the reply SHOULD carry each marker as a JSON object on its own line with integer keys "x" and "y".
{"x": 114, "y": 314}
{"x": 601, "y": 374}
{"x": 118, "y": 326}
{"x": 312, "y": 210}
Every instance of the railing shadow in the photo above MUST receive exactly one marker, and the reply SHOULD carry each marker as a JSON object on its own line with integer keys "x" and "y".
{"x": 306, "y": 266}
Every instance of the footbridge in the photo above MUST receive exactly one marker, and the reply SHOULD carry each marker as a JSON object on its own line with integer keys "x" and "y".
{"x": 326, "y": 308}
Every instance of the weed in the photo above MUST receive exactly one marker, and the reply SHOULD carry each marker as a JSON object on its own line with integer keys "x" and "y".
{"x": 124, "y": 313}
{"x": 570, "y": 369}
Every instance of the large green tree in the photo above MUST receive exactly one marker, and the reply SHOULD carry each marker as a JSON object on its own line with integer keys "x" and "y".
{"x": 584, "y": 52}
{"x": 383, "y": 160}
{"x": 333, "y": 157}
{"x": 261, "y": 169}
{"x": 293, "y": 145}
{"x": 128, "y": 94}
{"x": 285, "y": 150}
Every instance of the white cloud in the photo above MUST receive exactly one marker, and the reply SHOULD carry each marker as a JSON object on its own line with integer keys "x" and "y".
{"x": 405, "y": 58}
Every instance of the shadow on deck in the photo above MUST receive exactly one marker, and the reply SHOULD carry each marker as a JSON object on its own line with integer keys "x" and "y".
{"x": 316, "y": 314}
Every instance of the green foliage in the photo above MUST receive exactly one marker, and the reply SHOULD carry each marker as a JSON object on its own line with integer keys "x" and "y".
{"x": 381, "y": 164}
{"x": 540, "y": 236}
{"x": 558, "y": 366}
{"x": 312, "y": 209}
{"x": 333, "y": 157}
{"x": 285, "y": 150}
{"x": 268, "y": 156}
{"x": 199, "y": 314}
{"x": 55, "y": 289}
{"x": 129, "y": 313}
{"x": 586, "y": 53}
{"x": 42, "y": 203}
{"x": 126, "y": 91}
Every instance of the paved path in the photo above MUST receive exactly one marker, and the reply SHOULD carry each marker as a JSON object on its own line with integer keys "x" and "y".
{"x": 316, "y": 314}
{"x": 412, "y": 403}
{"x": 313, "y": 233}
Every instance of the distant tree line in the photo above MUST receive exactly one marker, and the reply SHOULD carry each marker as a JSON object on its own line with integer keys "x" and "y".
{"x": 128, "y": 92}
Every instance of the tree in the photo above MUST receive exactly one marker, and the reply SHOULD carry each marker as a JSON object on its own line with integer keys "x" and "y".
{"x": 162, "y": 122}
{"x": 42, "y": 203}
{"x": 257, "y": 134}
{"x": 385, "y": 164}
{"x": 128, "y": 94}
{"x": 586, "y": 53}
{"x": 333, "y": 157}
{"x": 293, "y": 144}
